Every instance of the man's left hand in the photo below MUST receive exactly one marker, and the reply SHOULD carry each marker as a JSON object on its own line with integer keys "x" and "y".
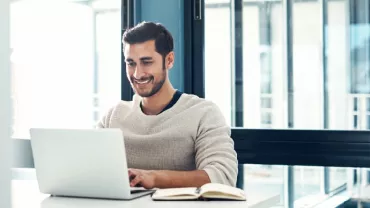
{"x": 144, "y": 178}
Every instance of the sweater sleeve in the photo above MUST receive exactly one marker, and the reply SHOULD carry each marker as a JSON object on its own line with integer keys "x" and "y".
{"x": 214, "y": 148}
{"x": 104, "y": 122}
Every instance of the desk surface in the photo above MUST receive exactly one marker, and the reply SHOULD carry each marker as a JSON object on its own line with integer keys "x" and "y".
{"x": 25, "y": 194}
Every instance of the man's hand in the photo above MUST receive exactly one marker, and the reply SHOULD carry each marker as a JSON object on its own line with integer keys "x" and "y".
{"x": 144, "y": 178}
{"x": 167, "y": 179}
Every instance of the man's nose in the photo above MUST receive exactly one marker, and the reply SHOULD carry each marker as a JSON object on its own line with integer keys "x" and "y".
{"x": 138, "y": 73}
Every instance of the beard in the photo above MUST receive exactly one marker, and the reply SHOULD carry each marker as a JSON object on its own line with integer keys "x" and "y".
{"x": 157, "y": 85}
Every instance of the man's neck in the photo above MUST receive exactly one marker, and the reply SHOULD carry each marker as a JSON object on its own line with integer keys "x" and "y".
{"x": 155, "y": 104}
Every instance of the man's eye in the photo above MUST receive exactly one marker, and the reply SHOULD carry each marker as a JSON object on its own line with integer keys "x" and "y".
{"x": 147, "y": 62}
{"x": 131, "y": 64}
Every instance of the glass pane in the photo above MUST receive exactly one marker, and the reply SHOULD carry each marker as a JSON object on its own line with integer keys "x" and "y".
{"x": 355, "y": 104}
{"x": 337, "y": 178}
{"x": 65, "y": 64}
{"x": 266, "y": 102}
{"x": 265, "y": 183}
{"x": 218, "y": 56}
{"x": 266, "y": 118}
{"x": 308, "y": 102}
{"x": 263, "y": 64}
{"x": 359, "y": 46}
{"x": 307, "y": 181}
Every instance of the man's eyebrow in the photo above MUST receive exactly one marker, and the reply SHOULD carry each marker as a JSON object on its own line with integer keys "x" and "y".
{"x": 146, "y": 58}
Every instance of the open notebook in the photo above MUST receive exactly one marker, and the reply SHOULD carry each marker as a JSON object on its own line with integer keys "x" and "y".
{"x": 207, "y": 191}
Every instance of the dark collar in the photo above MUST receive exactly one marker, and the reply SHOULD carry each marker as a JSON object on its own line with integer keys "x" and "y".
{"x": 173, "y": 101}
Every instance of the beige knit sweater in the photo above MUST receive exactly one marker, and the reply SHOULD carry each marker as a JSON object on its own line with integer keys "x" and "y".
{"x": 191, "y": 135}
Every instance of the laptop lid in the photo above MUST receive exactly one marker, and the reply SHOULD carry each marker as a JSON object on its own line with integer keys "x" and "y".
{"x": 81, "y": 162}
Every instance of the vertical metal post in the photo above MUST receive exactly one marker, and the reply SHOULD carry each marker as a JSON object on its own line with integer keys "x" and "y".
{"x": 95, "y": 101}
{"x": 324, "y": 26}
{"x": 232, "y": 65}
{"x": 289, "y": 187}
{"x": 198, "y": 79}
{"x": 288, "y": 8}
{"x": 5, "y": 106}
{"x": 238, "y": 18}
{"x": 127, "y": 20}
{"x": 238, "y": 72}
{"x": 324, "y": 10}
{"x": 326, "y": 181}
{"x": 289, "y": 171}
{"x": 194, "y": 80}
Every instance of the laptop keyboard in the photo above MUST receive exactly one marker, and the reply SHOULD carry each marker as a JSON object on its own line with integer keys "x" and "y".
{"x": 138, "y": 189}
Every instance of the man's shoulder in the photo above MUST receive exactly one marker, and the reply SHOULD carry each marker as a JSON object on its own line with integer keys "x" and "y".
{"x": 120, "y": 106}
{"x": 196, "y": 100}
{"x": 116, "y": 111}
{"x": 201, "y": 105}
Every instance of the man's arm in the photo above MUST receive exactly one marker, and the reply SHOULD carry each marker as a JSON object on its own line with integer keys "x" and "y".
{"x": 214, "y": 147}
{"x": 168, "y": 178}
{"x": 105, "y": 119}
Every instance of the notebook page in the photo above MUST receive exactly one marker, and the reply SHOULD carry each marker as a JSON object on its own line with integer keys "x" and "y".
{"x": 175, "y": 192}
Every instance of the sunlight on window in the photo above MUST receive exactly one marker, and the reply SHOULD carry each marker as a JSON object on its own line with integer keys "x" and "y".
{"x": 53, "y": 65}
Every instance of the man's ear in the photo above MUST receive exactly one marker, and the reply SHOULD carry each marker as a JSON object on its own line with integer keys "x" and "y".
{"x": 170, "y": 60}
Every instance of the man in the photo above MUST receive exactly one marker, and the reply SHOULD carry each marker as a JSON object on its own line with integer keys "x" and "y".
{"x": 172, "y": 139}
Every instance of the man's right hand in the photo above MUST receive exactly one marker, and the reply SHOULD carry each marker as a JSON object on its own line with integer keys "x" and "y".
{"x": 144, "y": 178}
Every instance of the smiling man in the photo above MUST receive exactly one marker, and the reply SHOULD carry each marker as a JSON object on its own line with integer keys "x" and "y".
{"x": 172, "y": 139}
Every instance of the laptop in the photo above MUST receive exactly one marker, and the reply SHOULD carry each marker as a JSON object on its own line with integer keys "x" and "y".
{"x": 87, "y": 163}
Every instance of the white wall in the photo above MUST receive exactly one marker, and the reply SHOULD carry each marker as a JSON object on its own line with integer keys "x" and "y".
{"x": 5, "y": 109}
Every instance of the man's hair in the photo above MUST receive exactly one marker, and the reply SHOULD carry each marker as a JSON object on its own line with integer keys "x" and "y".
{"x": 146, "y": 31}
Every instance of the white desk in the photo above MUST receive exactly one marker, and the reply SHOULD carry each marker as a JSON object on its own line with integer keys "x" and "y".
{"x": 25, "y": 194}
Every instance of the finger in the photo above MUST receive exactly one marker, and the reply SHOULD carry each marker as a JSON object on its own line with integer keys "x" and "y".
{"x": 133, "y": 172}
{"x": 137, "y": 180}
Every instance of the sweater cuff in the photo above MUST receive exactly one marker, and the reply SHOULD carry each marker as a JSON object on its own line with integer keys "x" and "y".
{"x": 214, "y": 175}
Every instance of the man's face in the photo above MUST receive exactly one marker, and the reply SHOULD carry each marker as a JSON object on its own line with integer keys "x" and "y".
{"x": 144, "y": 68}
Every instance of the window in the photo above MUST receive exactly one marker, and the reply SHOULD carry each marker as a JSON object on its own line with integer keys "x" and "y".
{"x": 290, "y": 64}
{"x": 217, "y": 25}
{"x": 65, "y": 63}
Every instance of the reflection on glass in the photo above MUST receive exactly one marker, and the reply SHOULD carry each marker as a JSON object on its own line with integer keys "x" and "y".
{"x": 65, "y": 64}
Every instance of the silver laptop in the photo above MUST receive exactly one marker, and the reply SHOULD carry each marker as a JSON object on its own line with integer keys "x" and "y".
{"x": 82, "y": 163}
